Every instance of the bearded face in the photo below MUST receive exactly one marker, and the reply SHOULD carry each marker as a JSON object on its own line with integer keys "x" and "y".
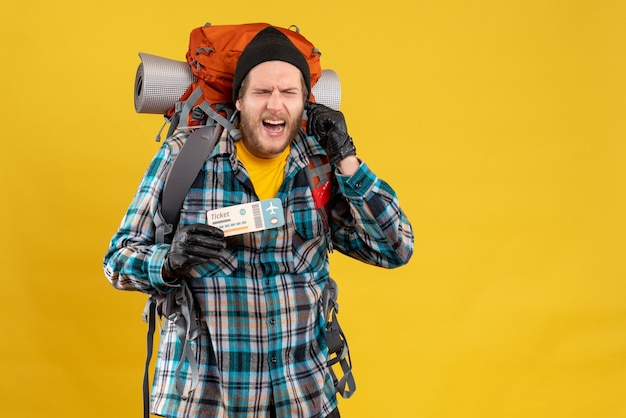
{"x": 271, "y": 105}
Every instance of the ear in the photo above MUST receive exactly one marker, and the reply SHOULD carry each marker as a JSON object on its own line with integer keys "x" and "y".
{"x": 238, "y": 104}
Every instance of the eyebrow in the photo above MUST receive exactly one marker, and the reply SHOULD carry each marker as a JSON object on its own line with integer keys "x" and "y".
{"x": 282, "y": 90}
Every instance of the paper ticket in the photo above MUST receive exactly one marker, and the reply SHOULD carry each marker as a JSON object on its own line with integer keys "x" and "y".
{"x": 248, "y": 217}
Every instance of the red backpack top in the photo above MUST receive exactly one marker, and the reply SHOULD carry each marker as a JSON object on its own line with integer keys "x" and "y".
{"x": 212, "y": 55}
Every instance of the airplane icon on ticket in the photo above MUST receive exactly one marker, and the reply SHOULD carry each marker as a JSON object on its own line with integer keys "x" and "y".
{"x": 271, "y": 208}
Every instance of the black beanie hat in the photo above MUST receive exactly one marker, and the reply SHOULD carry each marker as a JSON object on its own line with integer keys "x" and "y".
{"x": 269, "y": 44}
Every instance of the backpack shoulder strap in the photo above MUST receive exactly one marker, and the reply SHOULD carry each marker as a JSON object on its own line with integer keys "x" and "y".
{"x": 196, "y": 149}
{"x": 178, "y": 305}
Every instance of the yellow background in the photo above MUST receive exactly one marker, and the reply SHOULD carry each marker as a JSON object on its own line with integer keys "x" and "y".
{"x": 501, "y": 124}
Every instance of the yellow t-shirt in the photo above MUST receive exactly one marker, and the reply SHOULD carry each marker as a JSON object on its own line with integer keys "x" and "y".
{"x": 266, "y": 173}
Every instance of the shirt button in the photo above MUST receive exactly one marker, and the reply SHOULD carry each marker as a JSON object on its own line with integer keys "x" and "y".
{"x": 272, "y": 321}
{"x": 273, "y": 359}
{"x": 267, "y": 282}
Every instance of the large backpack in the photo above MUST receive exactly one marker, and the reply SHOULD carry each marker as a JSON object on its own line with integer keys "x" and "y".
{"x": 205, "y": 107}
{"x": 212, "y": 57}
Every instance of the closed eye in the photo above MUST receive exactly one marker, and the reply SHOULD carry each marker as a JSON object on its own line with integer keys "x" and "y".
{"x": 261, "y": 92}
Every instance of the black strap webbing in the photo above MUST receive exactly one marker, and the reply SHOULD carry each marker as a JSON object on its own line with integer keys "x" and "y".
{"x": 197, "y": 148}
{"x": 149, "y": 317}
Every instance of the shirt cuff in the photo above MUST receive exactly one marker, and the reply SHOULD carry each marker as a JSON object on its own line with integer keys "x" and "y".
{"x": 359, "y": 184}
{"x": 155, "y": 264}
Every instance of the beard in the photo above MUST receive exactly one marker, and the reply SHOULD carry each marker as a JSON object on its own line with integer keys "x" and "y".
{"x": 265, "y": 147}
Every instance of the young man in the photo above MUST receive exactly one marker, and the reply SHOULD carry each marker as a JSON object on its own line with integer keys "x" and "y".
{"x": 262, "y": 349}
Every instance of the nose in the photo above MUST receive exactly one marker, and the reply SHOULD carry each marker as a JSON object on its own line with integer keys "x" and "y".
{"x": 274, "y": 102}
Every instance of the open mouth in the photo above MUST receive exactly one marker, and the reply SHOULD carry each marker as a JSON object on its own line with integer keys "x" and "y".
{"x": 274, "y": 126}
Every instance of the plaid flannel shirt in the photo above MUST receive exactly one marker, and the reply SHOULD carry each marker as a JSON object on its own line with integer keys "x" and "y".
{"x": 265, "y": 336}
